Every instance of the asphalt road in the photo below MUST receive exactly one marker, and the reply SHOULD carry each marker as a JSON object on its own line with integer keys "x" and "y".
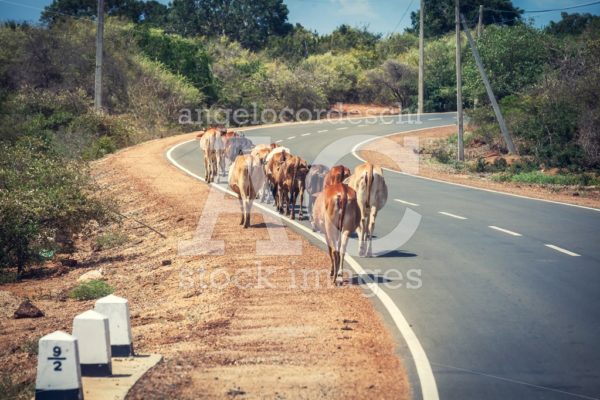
{"x": 508, "y": 305}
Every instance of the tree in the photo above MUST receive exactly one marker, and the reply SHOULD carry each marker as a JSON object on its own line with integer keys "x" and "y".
{"x": 295, "y": 46}
{"x": 151, "y": 11}
{"x": 345, "y": 38}
{"x": 514, "y": 58}
{"x": 572, "y": 24}
{"x": 396, "y": 44}
{"x": 336, "y": 74}
{"x": 439, "y": 15}
{"x": 398, "y": 78}
{"x": 250, "y": 22}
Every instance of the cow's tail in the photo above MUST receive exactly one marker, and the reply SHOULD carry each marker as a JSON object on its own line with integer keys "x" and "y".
{"x": 342, "y": 202}
{"x": 369, "y": 182}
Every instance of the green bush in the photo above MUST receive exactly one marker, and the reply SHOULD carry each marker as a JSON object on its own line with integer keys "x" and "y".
{"x": 101, "y": 147}
{"x": 91, "y": 290}
{"x": 16, "y": 390}
{"x": 108, "y": 240}
{"x": 540, "y": 178}
{"x": 30, "y": 346}
{"x": 182, "y": 56}
{"x": 44, "y": 202}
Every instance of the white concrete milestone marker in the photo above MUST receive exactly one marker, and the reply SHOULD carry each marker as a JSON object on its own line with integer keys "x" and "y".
{"x": 58, "y": 373}
{"x": 117, "y": 310}
{"x": 91, "y": 330}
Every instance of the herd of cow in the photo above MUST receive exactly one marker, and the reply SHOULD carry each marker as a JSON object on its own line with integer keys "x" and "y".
{"x": 339, "y": 203}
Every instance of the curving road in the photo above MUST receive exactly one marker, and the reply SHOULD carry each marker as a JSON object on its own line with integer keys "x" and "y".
{"x": 507, "y": 304}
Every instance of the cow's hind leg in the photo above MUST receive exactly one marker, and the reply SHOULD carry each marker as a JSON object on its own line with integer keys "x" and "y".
{"x": 371, "y": 230}
{"x": 241, "y": 209}
{"x": 248, "y": 208}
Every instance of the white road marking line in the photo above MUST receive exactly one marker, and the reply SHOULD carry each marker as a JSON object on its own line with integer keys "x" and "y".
{"x": 357, "y": 147}
{"x": 291, "y": 137}
{"x": 406, "y": 202}
{"x": 505, "y": 230}
{"x": 553, "y": 247}
{"x": 324, "y": 130}
{"x": 451, "y": 215}
{"x": 362, "y": 126}
{"x": 342, "y": 128}
{"x": 279, "y": 141}
{"x": 429, "y": 390}
{"x": 306, "y": 134}
{"x": 434, "y": 119}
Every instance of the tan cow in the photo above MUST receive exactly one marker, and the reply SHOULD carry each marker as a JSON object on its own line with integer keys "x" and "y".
{"x": 262, "y": 151}
{"x": 212, "y": 146}
{"x": 372, "y": 193}
{"x": 246, "y": 176}
{"x": 336, "y": 214}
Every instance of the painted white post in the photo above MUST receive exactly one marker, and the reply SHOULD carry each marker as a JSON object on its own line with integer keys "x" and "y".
{"x": 58, "y": 372}
{"x": 91, "y": 330}
{"x": 117, "y": 310}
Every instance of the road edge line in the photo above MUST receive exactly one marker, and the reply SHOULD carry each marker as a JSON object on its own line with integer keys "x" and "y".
{"x": 427, "y": 381}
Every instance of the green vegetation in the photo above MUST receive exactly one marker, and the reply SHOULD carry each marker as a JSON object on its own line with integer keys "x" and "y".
{"x": 215, "y": 55}
{"x": 30, "y": 346}
{"x": 45, "y": 201}
{"x": 540, "y": 178}
{"x": 16, "y": 389}
{"x": 111, "y": 239}
{"x": 439, "y": 15}
{"x": 91, "y": 290}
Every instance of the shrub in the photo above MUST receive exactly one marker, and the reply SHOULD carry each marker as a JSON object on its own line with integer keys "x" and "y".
{"x": 30, "y": 346}
{"x": 16, "y": 390}
{"x": 91, "y": 290}
{"x": 101, "y": 147}
{"x": 44, "y": 202}
{"x": 540, "y": 178}
{"x": 182, "y": 56}
{"x": 336, "y": 74}
{"x": 111, "y": 239}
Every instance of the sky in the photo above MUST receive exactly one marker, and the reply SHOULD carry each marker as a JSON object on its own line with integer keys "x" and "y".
{"x": 380, "y": 16}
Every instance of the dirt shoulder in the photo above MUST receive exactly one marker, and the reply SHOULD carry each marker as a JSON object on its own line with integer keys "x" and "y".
{"x": 220, "y": 341}
{"x": 372, "y": 152}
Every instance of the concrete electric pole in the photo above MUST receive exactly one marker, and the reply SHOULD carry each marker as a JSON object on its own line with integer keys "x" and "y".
{"x": 459, "y": 106}
{"x": 480, "y": 23}
{"x": 488, "y": 87}
{"x": 99, "y": 51}
{"x": 421, "y": 58}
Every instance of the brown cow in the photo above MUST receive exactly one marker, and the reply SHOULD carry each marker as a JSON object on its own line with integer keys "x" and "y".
{"x": 292, "y": 184}
{"x": 246, "y": 176}
{"x": 336, "y": 174}
{"x": 336, "y": 214}
{"x": 372, "y": 193}
{"x": 274, "y": 168}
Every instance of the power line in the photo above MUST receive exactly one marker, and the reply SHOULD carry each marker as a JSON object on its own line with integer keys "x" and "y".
{"x": 403, "y": 15}
{"x": 545, "y": 11}
{"x": 562, "y": 9}
{"x": 12, "y": 3}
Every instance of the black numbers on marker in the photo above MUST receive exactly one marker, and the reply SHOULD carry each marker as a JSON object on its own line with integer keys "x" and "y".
{"x": 56, "y": 358}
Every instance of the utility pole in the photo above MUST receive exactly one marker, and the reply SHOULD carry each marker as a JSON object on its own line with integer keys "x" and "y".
{"x": 459, "y": 106}
{"x": 480, "y": 23}
{"x": 488, "y": 87}
{"x": 99, "y": 51}
{"x": 421, "y": 58}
